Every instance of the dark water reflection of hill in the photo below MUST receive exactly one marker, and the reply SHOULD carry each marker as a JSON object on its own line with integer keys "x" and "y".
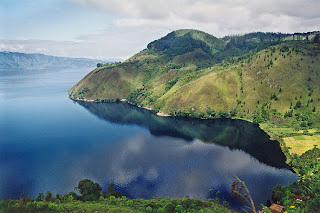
{"x": 235, "y": 134}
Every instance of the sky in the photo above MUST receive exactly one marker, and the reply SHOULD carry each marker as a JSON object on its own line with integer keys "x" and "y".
{"x": 117, "y": 29}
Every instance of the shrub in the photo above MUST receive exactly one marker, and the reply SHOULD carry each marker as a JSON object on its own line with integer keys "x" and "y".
{"x": 222, "y": 114}
{"x": 60, "y": 209}
{"x": 161, "y": 209}
{"x": 303, "y": 124}
{"x": 179, "y": 209}
{"x": 70, "y": 198}
{"x": 41, "y": 205}
{"x": 148, "y": 209}
{"x": 129, "y": 203}
{"x": 29, "y": 205}
{"x": 298, "y": 104}
{"x": 52, "y": 206}
{"x": 124, "y": 198}
{"x": 169, "y": 208}
{"x": 113, "y": 200}
{"x": 11, "y": 203}
{"x": 5, "y": 202}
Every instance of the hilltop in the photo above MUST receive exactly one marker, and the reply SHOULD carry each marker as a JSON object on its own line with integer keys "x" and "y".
{"x": 258, "y": 76}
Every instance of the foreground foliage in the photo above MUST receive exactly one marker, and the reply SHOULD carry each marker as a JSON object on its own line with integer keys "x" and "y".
{"x": 93, "y": 200}
{"x": 303, "y": 196}
{"x": 113, "y": 204}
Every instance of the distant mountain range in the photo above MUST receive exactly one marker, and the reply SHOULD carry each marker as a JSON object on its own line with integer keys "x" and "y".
{"x": 12, "y": 61}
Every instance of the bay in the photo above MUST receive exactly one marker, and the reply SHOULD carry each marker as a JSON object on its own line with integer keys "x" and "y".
{"x": 49, "y": 142}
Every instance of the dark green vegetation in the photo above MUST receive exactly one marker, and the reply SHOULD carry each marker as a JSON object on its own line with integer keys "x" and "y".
{"x": 308, "y": 187}
{"x": 258, "y": 76}
{"x": 93, "y": 200}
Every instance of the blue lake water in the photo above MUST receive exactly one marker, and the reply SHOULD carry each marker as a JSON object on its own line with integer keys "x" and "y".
{"x": 49, "y": 142}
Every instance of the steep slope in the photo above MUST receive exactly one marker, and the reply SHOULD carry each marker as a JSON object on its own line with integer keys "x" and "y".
{"x": 151, "y": 69}
{"x": 179, "y": 74}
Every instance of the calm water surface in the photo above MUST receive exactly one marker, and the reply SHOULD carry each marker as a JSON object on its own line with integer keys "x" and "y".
{"x": 49, "y": 142}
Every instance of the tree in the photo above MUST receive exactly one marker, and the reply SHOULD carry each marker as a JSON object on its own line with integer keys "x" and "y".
{"x": 233, "y": 112}
{"x": 99, "y": 64}
{"x": 58, "y": 197}
{"x": 88, "y": 189}
{"x": 316, "y": 38}
{"x": 274, "y": 96}
{"x": 298, "y": 104}
{"x": 110, "y": 188}
{"x": 112, "y": 192}
{"x": 257, "y": 118}
{"x": 40, "y": 197}
{"x": 211, "y": 112}
{"x": 223, "y": 114}
{"x": 48, "y": 196}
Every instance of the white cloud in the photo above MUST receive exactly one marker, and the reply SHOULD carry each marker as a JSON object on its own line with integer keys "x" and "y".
{"x": 217, "y": 17}
{"x": 131, "y": 24}
{"x": 148, "y": 20}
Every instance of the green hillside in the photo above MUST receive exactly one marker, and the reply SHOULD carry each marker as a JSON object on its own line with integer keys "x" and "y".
{"x": 257, "y": 76}
{"x": 192, "y": 40}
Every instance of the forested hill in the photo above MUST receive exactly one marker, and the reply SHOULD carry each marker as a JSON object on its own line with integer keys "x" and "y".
{"x": 11, "y": 61}
{"x": 260, "y": 76}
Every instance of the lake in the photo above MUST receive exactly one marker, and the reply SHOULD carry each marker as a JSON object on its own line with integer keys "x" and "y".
{"x": 49, "y": 142}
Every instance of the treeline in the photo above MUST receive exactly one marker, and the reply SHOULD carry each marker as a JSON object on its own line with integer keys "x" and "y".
{"x": 107, "y": 64}
{"x": 242, "y": 45}
{"x": 89, "y": 191}
{"x": 209, "y": 114}
{"x": 91, "y": 199}
{"x": 273, "y": 36}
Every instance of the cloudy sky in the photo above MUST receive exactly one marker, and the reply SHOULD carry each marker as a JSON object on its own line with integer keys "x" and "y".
{"x": 116, "y": 29}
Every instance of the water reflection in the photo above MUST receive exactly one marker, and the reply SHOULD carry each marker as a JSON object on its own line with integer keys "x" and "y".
{"x": 236, "y": 134}
{"x": 47, "y": 142}
{"x": 174, "y": 161}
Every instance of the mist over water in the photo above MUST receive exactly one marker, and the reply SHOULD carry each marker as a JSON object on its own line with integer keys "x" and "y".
{"x": 49, "y": 142}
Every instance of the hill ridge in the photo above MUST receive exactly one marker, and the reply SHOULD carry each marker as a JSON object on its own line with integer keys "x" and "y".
{"x": 246, "y": 77}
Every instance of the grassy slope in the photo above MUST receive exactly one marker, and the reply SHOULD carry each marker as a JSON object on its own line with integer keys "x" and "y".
{"x": 290, "y": 72}
{"x": 216, "y": 90}
{"x": 152, "y": 80}
{"x": 178, "y": 83}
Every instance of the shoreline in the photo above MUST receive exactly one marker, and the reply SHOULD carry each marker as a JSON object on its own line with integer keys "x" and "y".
{"x": 162, "y": 114}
